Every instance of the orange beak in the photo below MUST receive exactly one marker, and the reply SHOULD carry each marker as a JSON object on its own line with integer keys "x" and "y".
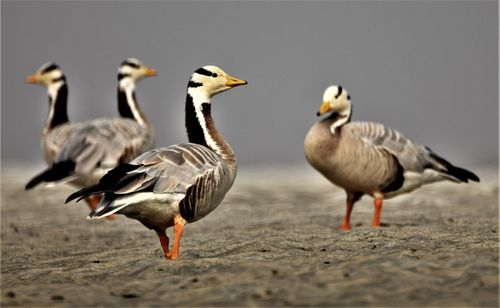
{"x": 233, "y": 82}
{"x": 32, "y": 79}
{"x": 324, "y": 108}
{"x": 150, "y": 72}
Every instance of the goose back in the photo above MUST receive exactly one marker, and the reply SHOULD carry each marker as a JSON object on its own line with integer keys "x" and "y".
{"x": 186, "y": 179}
{"x": 97, "y": 146}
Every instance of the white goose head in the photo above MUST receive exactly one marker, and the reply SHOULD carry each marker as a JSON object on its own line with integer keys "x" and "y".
{"x": 211, "y": 80}
{"x": 335, "y": 99}
{"x": 132, "y": 70}
{"x": 51, "y": 77}
{"x": 47, "y": 75}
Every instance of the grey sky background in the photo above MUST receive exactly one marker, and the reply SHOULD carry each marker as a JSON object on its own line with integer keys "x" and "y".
{"x": 428, "y": 69}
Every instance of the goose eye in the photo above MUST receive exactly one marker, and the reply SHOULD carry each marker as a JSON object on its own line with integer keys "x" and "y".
{"x": 214, "y": 75}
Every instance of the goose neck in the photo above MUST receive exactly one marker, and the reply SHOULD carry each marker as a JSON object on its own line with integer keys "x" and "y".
{"x": 58, "y": 102}
{"x": 339, "y": 119}
{"x": 201, "y": 128}
{"x": 127, "y": 102}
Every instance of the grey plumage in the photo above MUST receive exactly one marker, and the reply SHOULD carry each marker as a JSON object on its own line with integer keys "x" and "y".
{"x": 370, "y": 158}
{"x": 192, "y": 174}
{"x": 179, "y": 184}
{"x": 53, "y": 141}
{"x": 101, "y": 144}
{"x": 92, "y": 148}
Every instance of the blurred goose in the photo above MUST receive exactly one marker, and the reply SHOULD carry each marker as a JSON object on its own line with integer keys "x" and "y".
{"x": 82, "y": 153}
{"x": 179, "y": 184}
{"x": 370, "y": 158}
{"x": 57, "y": 126}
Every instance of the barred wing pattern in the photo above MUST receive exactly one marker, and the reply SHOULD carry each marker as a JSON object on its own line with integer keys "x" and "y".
{"x": 105, "y": 143}
{"x": 185, "y": 169}
{"x": 412, "y": 156}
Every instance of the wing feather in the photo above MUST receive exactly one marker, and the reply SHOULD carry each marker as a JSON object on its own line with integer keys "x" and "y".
{"x": 169, "y": 170}
{"x": 105, "y": 143}
{"x": 411, "y": 156}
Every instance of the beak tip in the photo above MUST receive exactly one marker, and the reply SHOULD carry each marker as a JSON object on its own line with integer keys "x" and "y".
{"x": 30, "y": 80}
{"x": 318, "y": 114}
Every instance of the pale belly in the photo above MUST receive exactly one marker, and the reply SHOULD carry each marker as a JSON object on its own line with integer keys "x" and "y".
{"x": 154, "y": 214}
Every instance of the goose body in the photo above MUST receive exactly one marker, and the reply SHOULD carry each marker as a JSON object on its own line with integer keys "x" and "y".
{"x": 81, "y": 153}
{"x": 178, "y": 184}
{"x": 370, "y": 158}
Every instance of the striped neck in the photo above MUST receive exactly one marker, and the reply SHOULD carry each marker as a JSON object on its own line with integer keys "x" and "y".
{"x": 127, "y": 103}
{"x": 339, "y": 119}
{"x": 58, "y": 102}
{"x": 201, "y": 128}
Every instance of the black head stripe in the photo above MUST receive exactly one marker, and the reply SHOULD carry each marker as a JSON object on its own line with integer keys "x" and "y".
{"x": 62, "y": 78}
{"x": 50, "y": 68}
{"x": 204, "y": 72}
{"x": 123, "y": 75}
{"x": 194, "y": 84}
{"x": 131, "y": 64}
{"x": 339, "y": 92}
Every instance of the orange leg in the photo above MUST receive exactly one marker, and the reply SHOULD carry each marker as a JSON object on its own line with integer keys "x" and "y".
{"x": 378, "y": 209}
{"x": 351, "y": 199}
{"x": 93, "y": 202}
{"x": 179, "y": 223}
{"x": 348, "y": 209}
{"x": 164, "y": 242}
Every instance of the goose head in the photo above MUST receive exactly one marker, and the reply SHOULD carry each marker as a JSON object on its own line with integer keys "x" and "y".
{"x": 47, "y": 75}
{"x": 335, "y": 99}
{"x": 133, "y": 70}
{"x": 211, "y": 80}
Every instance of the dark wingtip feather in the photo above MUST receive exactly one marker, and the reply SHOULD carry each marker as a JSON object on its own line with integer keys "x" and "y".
{"x": 463, "y": 175}
{"x": 84, "y": 192}
{"x": 35, "y": 180}
{"x": 457, "y": 172}
{"x": 106, "y": 183}
{"x": 56, "y": 172}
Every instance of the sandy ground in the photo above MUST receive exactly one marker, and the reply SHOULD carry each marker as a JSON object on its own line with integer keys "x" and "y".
{"x": 273, "y": 241}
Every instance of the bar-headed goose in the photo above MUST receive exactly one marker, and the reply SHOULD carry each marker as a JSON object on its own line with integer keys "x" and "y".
{"x": 57, "y": 126}
{"x": 370, "y": 158}
{"x": 82, "y": 153}
{"x": 179, "y": 184}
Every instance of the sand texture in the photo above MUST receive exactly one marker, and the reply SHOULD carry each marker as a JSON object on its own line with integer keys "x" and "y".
{"x": 272, "y": 242}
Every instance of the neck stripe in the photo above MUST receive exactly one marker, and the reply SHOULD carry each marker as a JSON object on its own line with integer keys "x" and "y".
{"x": 193, "y": 126}
{"x": 339, "y": 119}
{"x": 58, "y": 113}
{"x": 127, "y": 105}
